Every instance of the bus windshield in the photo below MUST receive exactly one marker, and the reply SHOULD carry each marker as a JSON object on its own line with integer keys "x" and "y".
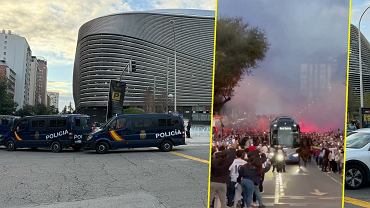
{"x": 285, "y": 137}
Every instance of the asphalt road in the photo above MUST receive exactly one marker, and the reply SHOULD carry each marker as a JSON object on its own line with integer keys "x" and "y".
{"x": 357, "y": 198}
{"x": 124, "y": 178}
{"x": 302, "y": 187}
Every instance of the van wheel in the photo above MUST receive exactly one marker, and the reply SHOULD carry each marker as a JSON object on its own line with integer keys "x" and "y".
{"x": 102, "y": 148}
{"x": 56, "y": 147}
{"x": 355, "y": 177}
{"x": 166, "y": 146}
{"x": 10, "y": 146}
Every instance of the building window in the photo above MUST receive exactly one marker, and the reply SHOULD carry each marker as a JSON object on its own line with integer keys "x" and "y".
{"x": 5, "y": 42}
{"x": 6, "y": 37}
{"x": 4, "y": 53}
{"x": 4, "y": 47}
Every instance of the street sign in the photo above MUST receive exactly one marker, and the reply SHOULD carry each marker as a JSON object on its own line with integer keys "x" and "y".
{"x": 116, "y": 97}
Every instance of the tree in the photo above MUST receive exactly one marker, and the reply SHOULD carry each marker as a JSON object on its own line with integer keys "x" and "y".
{"x": 7, "y": 105}
{"x": 239, "y": 48}
{"x": 133, "y": 110}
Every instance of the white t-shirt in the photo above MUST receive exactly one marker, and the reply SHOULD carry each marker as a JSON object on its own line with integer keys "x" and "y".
{"x": 234, "y": 168}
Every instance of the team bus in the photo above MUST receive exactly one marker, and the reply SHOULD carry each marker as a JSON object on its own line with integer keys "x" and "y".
{"x": 285, "y": 132}
{"x": 138, "y": 130}
{"x": 50, "y": 131}
{"x": 6, "y": 126}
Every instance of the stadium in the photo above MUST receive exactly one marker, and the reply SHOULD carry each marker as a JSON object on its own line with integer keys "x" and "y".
{"x": 149, "y": 38}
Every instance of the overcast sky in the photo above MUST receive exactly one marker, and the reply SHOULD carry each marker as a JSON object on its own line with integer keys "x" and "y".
{"x": 358, "y": 7}
{"x": 309, "y": 32}
{"x": 51, "y": 29}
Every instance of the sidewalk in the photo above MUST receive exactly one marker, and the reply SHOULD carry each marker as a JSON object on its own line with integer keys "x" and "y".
{"x": 199, "y": 135}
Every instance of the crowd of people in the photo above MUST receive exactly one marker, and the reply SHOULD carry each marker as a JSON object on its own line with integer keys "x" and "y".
{"x": 328, "y": 151}
{"x": 240, "y": 160}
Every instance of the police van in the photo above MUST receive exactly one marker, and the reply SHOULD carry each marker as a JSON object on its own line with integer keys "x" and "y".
{"x": 50, "y": 131}
{"x": 138, "y": 130}
{"x": 6, "y": 126}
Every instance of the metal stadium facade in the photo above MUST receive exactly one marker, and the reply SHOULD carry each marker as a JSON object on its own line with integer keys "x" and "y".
{"x": 354, "y": 72}
{"x": 106, "y": 44}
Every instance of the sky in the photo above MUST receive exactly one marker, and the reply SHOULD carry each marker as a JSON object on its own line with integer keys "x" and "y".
{"x": 300, "y": 34}
{"x": 358, "y": 7}
{"x": 51, "y": 29}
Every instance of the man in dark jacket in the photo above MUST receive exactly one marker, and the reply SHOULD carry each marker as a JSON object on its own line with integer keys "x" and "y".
{"x": 219, "y": 174}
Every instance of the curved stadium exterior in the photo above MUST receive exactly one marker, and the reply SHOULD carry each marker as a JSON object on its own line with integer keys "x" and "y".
{"x": 106, "y": 44}
{"x": 354, "y": 65}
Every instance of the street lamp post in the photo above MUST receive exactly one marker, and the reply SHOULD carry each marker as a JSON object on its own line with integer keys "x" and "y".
{"x": 174, "y": 46}
{"x": 359, "y": 58}
{"x": 168, "y": 63}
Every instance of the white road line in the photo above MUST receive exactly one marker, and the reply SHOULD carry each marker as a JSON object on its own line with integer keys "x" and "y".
{"x": 331, "y": 177}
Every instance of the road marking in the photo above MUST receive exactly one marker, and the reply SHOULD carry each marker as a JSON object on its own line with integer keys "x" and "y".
{"x": 279, "y": 189}
{"x": 356, "y": 202}
{"x": 331, "y": 177}
{"x": 317, "y": 192}
{"x": 190, "y": 157}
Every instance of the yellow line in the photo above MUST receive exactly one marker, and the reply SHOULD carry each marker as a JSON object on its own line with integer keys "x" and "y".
{"x": 190, "y": 157}
{"x": 346, "y": 108}
{"x": 213, "y": 88}
{"x": 356, "y": 202}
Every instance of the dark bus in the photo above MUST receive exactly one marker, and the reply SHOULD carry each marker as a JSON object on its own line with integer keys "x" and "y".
{"x": 285, "y": 132}
{"x": 6, "y": 125}
{"x": 49, "y": 131}
{"x": 138, "y": 130}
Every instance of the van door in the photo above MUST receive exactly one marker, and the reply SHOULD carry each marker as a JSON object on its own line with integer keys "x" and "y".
{"x": 144, "y": 130}
{"x": 21, "y": 133}
{"x": 37, "y": 133}
{"x": 120, "y": 133}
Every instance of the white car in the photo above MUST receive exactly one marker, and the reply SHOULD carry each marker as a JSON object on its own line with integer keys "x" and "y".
{"x": 357, "y": 159}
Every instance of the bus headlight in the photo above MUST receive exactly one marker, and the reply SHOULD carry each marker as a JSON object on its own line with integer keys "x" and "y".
{"x": 280, "y": 157}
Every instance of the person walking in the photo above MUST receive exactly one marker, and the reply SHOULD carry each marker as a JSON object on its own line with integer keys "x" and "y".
{"x": 250, "y": 178}
{"x": 188, "y": 127}
{"x": 234, "y": 173}
{"x": 219, "y": 174}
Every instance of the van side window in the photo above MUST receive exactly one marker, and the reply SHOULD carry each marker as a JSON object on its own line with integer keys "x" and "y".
{"x": 4, "y": 122}
{"x": 22, "y": 125}
{"x": 175, "y": 122}
{"x": 53, "y": 123}
{"x": 78, "y": 122}
{"x": 121, "y": 123}
{"x": 162, "y": 122}
{"x": 169, "y": 122}
{"x": 58, "y": 123}
{"x": 38, "y": 124}
{"x": 61, "y": 123}
{"x": 142, "y": 123}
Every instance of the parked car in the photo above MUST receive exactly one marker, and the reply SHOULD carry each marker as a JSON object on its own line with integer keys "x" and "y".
{"x": 357, "y": 173}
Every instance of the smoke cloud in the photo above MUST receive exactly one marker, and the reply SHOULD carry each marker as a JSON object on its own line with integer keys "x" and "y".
{"x": 303, "y": 73}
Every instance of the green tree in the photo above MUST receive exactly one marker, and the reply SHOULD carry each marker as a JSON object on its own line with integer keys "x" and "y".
{"x": 7, "y": 105}
{"x": 133, "y": 110}
{"x": 27, "y": 110}
{"x": 238, "y": 49}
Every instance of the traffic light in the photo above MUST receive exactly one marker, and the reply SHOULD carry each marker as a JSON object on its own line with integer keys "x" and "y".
{"x": 133, "y": 66}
